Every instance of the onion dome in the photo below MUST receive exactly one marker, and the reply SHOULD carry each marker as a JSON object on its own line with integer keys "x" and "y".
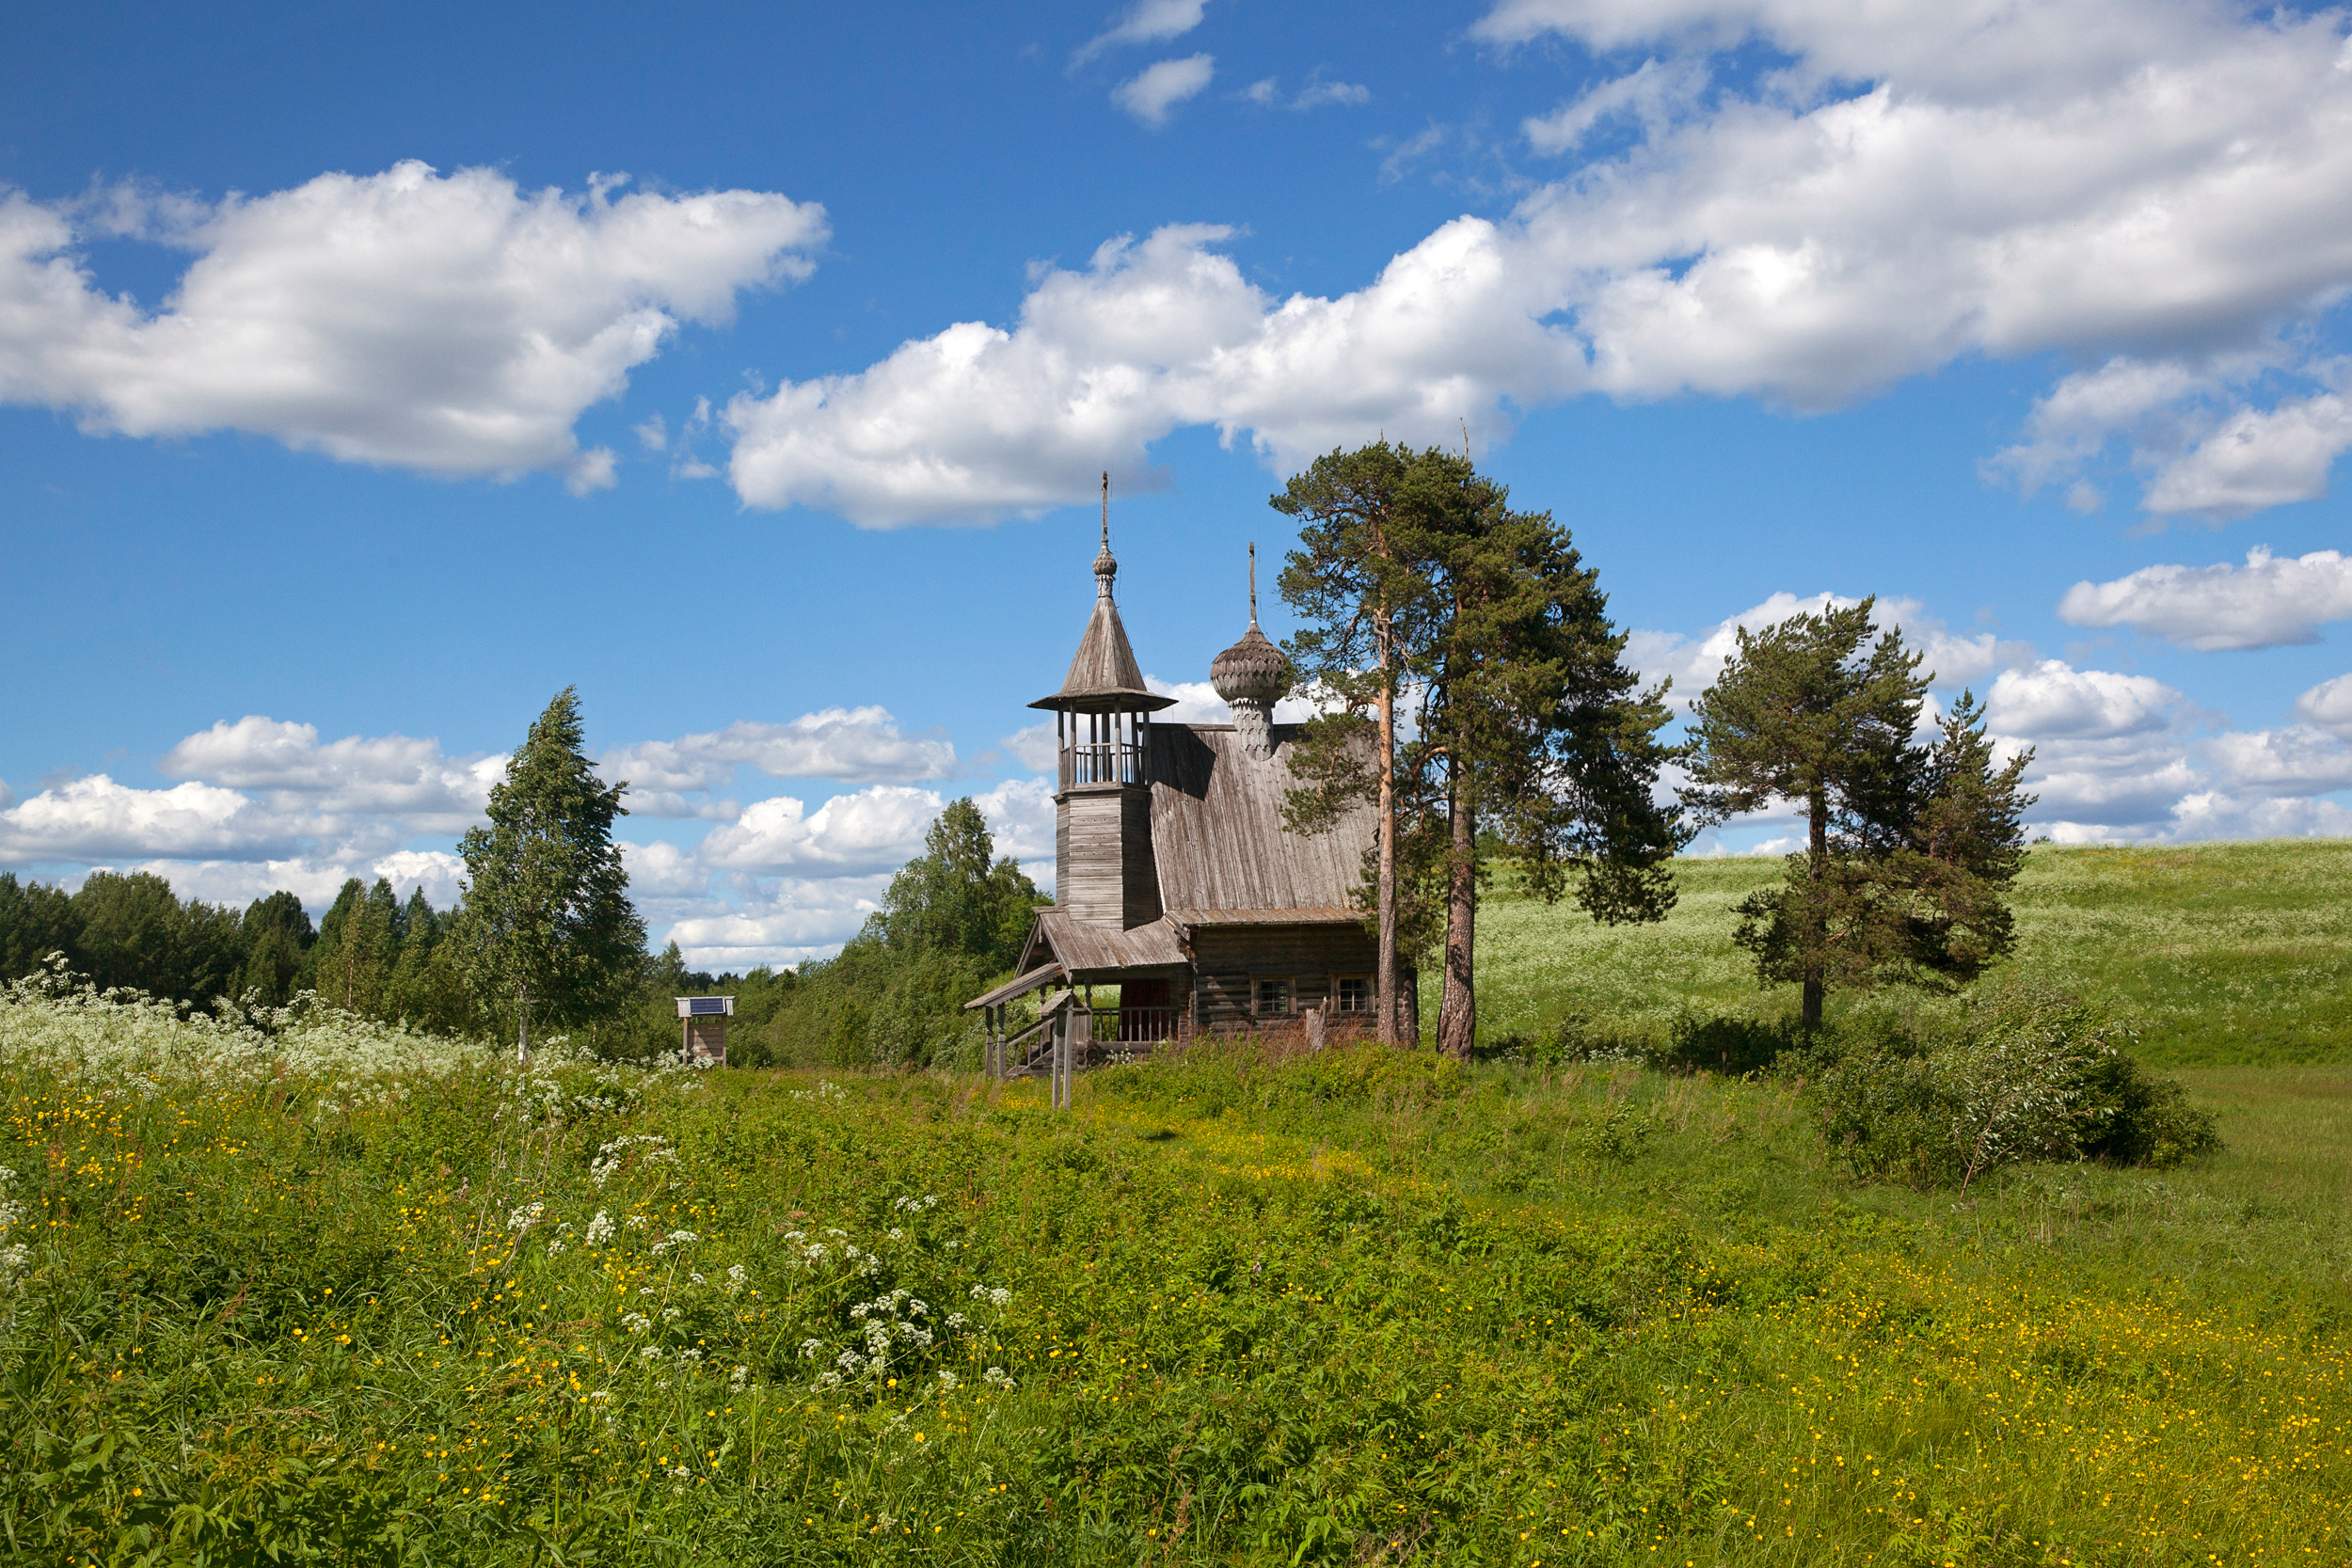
{"x": 1253, "y": 669}
{"x": 1252, "y": 675}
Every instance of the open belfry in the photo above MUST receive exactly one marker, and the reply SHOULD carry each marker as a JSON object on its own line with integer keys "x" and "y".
{"x": 1175, "y": 879}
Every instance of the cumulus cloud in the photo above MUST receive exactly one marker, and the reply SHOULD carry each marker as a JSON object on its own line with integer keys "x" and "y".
{"x": 1020, "y": 814}
{"x": 1151, "y": 93}
{"x": 95, "y": 819}
{"x": 2296, "y": 760}
{"x": 2157, "y": 181}
{"x": 1266, "y": 92}
{"x": 1693, "y": 663}
{"x": 1144, "y": 21}
{"x": 852, "y": 745}
{"x": 2258, "y": 458}
{"x": 871, "y": 828}
{"x": 452, "y": 325}
{"x": 2329, "y": 706}
{"x": 2264, "y": 604}
{"x": 784, "y": 923}
{"x": 393, "y": 775}
{"x": 2053, "y": 700}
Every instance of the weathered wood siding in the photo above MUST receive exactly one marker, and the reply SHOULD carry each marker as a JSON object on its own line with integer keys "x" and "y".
{"x": 1230, "y": 960}
{"x": 1104, "y": 870}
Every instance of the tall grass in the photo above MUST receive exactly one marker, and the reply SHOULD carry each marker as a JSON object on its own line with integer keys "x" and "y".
{"x": 2223, "y": 953}
{"x": 1347, "y": 1308}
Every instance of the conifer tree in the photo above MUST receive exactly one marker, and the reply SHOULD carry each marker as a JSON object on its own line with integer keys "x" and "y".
{"x": 1535, "y": 738}
{"x": 1357, "y": 583}
{"x": 1909, "y": 849}
{"x": 547, "y": 930}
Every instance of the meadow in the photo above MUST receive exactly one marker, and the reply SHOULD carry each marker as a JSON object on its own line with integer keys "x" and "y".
{"x": 2224, "y": 954}
{"x": 319, "y": 1291}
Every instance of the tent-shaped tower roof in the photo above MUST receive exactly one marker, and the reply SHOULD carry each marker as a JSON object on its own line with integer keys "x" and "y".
{"x": 1105, "y": 677}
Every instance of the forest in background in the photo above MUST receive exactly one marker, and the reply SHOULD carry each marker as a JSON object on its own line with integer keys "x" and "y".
{"x": 951, "y": 924}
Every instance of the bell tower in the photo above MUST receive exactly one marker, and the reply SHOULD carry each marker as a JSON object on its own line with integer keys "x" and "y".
{"x": 1104, "y": 872}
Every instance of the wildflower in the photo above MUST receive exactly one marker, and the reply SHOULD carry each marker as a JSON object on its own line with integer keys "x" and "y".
{"x": 957, "y": 1320}
{"x": 737, "y": 1378}
{"x": 675, "y": 1239}
{"x": 600, "y": 1228}
{"x": 896, "y": 1234}
{"x": 994, "y": 1377}
{"x": 649, "y": 1352}
{"x": 737, "y": 1278}
{"x": 526, "y": 1216}
{"x": 636, "y": 1322}
{"x": 947, "y": 1380}
{"x": 809, "y": 1348}
{"x": 635, "y": 1222}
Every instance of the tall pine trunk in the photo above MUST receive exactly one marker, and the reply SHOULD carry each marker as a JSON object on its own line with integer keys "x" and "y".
{"x": 1817, "y": 929}
{"x": 1389, "y": 1002}
{"x": 1457, "y": 1014}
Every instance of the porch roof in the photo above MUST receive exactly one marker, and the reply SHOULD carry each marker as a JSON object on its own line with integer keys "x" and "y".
{"x": 1044, "y": 974}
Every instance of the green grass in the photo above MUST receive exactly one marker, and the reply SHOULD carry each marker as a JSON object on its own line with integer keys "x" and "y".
{"x": 1358, "y": 1307}
{"x": 2224, "y": 953}
{"x": 352, "y": 1296}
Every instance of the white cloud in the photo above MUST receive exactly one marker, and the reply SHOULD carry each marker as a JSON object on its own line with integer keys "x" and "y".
{"x": 2157, "y": 180}
{"x": 1144, "y": 21}
{"x": 2053, "y": 701}
{"x": 653, "y": 434}
{"x": 872, "y": 828}
{"x": 661, "y": 870}
{"x": 315, "y": 882}
{"x": 1650, "y": 96}
{"x": 1020, "y": 814}
{"x": 852, "y": 745}
{"x": 451, "y": 325}
{"x": 2257, "y": 459}
{"x": 1151, "y": 93}
{"x": 95, "y": 819}
{"x": 1033, "y": 747}
{"x": 2264, "y": 604}
{"x": 386, "y": 775}
{"x": 1267, "y": 93}
{"x": 2296, "y": 760}
{"x": 787, "y": 922}
{"x": 2329, "y": 706}
{"x": 1693, "y": 663}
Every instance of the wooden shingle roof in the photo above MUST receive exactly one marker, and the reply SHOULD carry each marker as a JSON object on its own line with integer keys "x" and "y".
{"x": 1218, "y": 839}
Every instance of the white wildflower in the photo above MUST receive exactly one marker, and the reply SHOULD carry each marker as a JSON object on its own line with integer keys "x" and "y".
{"x": 600, "y": 1228}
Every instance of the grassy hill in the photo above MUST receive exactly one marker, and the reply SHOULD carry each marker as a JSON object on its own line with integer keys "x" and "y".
{"x": 2226, "y": 954}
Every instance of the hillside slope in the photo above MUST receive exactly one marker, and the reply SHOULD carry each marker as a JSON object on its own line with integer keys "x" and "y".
{"x": 2228, "y": 954}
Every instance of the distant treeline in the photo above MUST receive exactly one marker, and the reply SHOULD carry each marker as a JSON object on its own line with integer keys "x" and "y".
{"x": 372, "y": 952}
{"x": 951, "y": 925}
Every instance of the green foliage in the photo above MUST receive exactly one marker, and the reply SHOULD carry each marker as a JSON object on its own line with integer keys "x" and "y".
{"x": 957, "y": 897}
{"x": 2028, "y": 1074}
{"x": 951, "y": 925}
{"x": 1370, "y": 1306}
{"x": 36, "y": 920}
{"x": 2220, "y": 952}
{"x": 545, "y": 931}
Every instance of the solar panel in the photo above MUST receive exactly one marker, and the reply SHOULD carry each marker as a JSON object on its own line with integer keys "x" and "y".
{"x": 702, "y": 1007}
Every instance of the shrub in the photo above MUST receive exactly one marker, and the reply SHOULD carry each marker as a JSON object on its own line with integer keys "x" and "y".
{"x": 1729, "y": 1045}
{"x": 2029, "y": 1074}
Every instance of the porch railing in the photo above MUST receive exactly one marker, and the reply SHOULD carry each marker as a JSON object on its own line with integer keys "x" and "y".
{"x": 1135, "y": 1026}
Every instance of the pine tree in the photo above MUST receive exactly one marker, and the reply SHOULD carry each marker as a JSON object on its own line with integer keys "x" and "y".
{"x": 1535, "y": 738}
{"x": 1814, "y": 712}
{"x": 1355, "y": 582}
{"x": 545, "y": 931}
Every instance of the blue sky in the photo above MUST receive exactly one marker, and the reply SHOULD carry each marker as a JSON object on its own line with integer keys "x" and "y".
{"x": 352, "y": 401}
